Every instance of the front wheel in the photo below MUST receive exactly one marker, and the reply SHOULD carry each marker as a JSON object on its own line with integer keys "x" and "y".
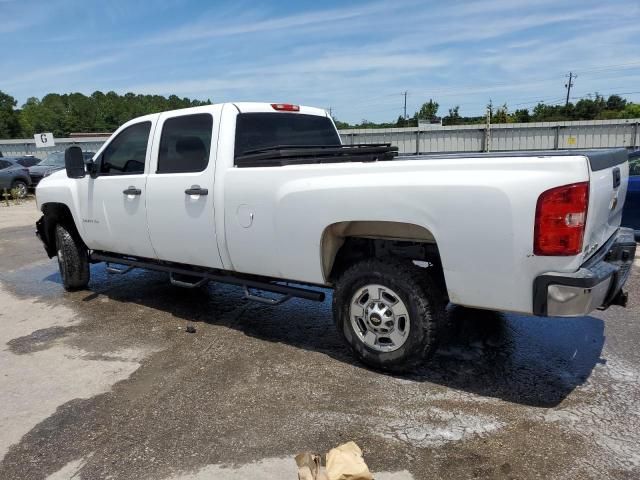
{"x": 389, "y": 312}
{"x": 19, "y": 189}
{"x": 73, "y": 258}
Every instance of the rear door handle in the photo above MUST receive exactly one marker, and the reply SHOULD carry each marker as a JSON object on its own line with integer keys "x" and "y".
{"x": 196, "y": 190}
{"x": 132, "y": 191}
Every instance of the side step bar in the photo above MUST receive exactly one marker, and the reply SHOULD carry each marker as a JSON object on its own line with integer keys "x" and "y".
{"x": 258, "y": 283}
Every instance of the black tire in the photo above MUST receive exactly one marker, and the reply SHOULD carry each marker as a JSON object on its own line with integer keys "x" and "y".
{"x": 423, "y": 301}
{"x": 21, "y": 186}
{"x": 73, "y": 258}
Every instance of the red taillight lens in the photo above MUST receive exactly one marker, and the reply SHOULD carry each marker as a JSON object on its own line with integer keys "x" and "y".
{"x": 561, "y": 214}
{"x": 285, "y": 107}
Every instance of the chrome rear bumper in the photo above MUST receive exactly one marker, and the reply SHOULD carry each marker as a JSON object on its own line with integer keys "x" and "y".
{"x": 596, "y": 285}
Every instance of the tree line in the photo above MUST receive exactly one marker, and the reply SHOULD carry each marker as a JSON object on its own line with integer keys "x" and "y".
{"x": 74, "y": 112}
{"x": 593, "y": 107}
{"x": 105, "y": 112}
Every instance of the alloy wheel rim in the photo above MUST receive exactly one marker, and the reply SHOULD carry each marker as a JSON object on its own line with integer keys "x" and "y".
{"x": 379, "y": 318}
{"x": 21, "y": 188}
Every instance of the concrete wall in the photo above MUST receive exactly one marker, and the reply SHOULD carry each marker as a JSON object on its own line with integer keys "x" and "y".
{"x": 460, "y": 138}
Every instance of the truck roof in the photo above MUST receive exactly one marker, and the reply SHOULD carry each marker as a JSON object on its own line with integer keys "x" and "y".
{"x": 241, "y": 107}
{"x": 255, "y": 107}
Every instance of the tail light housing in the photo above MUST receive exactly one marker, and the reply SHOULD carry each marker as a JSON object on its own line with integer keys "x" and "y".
{"x": 285, "y": 107}
{"x": 561, "y": 215}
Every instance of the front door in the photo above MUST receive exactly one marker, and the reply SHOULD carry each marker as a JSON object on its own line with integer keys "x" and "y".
{"x": 113, "y": 204}
{"x": 180, "y": 188}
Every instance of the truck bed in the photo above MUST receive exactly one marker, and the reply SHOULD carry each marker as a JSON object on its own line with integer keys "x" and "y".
{"x": 599, "y": 159}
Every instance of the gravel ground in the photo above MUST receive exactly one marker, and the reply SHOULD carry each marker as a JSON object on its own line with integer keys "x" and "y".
{"x": 106, "y": 383}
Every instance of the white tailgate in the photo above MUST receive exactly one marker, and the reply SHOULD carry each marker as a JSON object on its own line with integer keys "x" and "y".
{"x": 605, "y": 206}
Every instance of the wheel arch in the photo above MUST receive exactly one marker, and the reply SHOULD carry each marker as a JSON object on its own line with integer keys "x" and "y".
{"x": 342, "y": 243}
{"x": 55, "y": 213}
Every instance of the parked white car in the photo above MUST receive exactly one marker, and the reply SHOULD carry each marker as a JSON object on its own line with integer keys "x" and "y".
{"x": 264, "y": 195}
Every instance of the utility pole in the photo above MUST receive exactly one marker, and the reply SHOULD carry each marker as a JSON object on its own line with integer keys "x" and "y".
{"x": 405, "y": 104}
{"x": 487, "y": 128}
{"x": 330, "y": 112}
{"x": 568, "y": 86}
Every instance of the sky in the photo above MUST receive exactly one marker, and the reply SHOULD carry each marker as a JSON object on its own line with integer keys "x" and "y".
{"x": 354, "y": 57}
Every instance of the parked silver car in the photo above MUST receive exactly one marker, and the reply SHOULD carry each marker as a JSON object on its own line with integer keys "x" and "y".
{"x": 14, "y": 176}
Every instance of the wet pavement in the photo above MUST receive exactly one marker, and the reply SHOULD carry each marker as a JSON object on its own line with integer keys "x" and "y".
{"x": 107, "y": 383}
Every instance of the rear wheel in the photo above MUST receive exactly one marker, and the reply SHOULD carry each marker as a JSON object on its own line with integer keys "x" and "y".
{"x": 73, "y": 258}
{"x": 389, "y": 311}
{"x": 19, "y": 188}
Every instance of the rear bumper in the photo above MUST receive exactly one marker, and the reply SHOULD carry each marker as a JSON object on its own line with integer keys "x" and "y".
{"x": 596, "y": 285}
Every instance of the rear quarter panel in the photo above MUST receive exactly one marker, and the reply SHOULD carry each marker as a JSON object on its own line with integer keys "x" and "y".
{"x": 480, "y": 211}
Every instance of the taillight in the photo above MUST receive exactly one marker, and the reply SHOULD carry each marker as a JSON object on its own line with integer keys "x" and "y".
{"x": 285, "y": 107}
{"x": 561, "y": 214}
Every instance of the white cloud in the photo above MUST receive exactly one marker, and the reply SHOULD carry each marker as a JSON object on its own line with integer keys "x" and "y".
{"x": 53, "y": 73}
{"x": 200, "y": 30}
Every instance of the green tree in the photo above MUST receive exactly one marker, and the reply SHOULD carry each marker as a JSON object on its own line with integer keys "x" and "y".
{"x": 501, "y": 115}
{"x": 401, "y": 122}
{"x": 632, "y": 110}
{"x": 453, "y": 118}
{"x": 99, "y": 112}
{"x": 590, "y": 108}
{"x": 616, "y": 102}
{"x": 9, "y": 119}
{"x": 428, "y": 111}
{"x": 521, "y": 116}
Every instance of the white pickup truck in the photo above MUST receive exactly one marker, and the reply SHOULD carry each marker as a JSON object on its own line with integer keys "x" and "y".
{"x": 265, "y": 196}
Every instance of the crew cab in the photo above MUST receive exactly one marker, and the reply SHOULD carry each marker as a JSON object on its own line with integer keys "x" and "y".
{"x": 265, "y": 196}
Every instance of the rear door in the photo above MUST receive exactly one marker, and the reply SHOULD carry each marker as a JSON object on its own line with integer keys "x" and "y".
{"x": 180, "y": 197}
{"x": 112, "y": 205}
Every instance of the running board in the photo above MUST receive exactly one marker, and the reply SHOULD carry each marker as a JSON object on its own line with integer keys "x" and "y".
{"x": 245, "y": 281}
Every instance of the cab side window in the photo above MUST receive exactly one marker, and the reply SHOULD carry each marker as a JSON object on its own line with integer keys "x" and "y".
{"x": 4, "y": 164}
{"x": 185, "y": 144}
{"x": 126, "y": 154}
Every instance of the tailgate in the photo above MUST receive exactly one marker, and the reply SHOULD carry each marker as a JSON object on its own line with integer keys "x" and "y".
{"x": 609, "y": 174}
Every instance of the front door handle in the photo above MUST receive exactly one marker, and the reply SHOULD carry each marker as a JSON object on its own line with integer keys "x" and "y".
{"x": 196, "y": 190}
{"x": 132, "y": 191}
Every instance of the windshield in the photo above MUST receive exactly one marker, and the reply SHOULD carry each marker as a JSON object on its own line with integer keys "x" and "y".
{"x": 54, "y": 159}
{"x": 263, "y": 130}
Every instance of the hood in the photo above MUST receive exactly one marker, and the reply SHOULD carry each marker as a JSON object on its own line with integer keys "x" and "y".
{"x": 42, "y": 169}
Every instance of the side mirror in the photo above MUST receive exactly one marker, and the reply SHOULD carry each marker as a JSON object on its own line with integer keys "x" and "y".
{"x": 74, "y": 162}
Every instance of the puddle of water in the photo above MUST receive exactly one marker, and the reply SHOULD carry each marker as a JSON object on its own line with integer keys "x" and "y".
{"x": 34, "y": 384}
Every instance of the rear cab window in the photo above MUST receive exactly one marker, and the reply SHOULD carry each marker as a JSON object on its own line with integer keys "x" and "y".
{"x": 262, "y": 130}
{"x": 185, "y": 144}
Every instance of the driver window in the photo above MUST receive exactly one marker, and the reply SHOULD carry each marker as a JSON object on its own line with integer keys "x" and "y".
{"x": 126, "y": 154}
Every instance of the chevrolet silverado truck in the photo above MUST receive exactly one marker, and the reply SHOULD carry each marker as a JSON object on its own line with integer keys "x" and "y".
{"x": 265, "y": 196}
